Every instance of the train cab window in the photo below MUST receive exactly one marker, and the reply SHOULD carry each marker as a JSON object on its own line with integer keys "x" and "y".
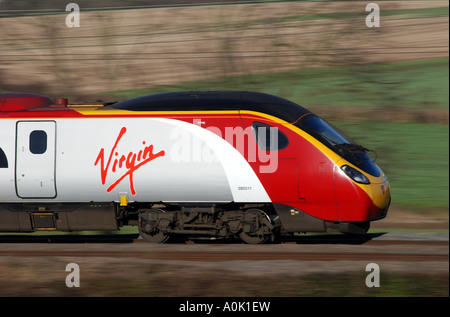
{"x": 269, "y": 138}
{"x": 325, "y": 131}
{"x": 38, "y": 142}
{"x": 3, "y": 159}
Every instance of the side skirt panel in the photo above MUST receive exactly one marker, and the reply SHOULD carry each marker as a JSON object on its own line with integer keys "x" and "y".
{"x": 61, "y": 217}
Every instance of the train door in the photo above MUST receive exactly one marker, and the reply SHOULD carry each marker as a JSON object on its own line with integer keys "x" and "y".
{"x": 35, "y": 159}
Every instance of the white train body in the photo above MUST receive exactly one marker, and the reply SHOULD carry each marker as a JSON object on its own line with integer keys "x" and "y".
{"x": 118, "y": 160}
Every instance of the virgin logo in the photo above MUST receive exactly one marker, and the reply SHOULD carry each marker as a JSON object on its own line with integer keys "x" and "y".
{"x": 121, "y": 165}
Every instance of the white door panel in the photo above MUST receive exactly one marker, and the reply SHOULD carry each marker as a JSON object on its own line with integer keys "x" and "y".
{"x": 35, "y": 160}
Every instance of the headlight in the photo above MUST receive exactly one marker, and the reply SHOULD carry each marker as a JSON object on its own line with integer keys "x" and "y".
{"x": 354, "y": 174}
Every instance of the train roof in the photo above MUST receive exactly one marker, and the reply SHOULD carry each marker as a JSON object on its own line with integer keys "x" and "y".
{"x": 216, "y": 100}
{"x": 172, "y": 101}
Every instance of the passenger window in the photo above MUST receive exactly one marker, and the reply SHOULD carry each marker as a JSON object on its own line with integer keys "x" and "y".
{"x": 38, "y": 142}
{"x": 269, "y": 138}
{"x": 3, "y": 159}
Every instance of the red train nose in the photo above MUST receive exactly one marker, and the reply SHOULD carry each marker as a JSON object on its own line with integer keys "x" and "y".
{"x": 362, "y": 202}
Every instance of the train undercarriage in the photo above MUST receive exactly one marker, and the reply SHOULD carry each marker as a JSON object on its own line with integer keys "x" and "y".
{"x": 251, "y": 223}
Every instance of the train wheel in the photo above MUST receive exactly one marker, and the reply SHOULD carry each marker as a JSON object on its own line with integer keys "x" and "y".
{"x": 256, "y": 227}
{"x": 158, "y": 237}
{"x": 150, "y": 225}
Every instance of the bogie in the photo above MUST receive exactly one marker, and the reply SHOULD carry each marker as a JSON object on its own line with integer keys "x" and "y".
{"x": 153, "y": 225}
{"x": 252, "y": 226}
{"x": 257, "y": 227}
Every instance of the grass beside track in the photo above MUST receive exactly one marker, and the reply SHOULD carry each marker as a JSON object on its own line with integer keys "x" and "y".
{"x": 410, "y": 85}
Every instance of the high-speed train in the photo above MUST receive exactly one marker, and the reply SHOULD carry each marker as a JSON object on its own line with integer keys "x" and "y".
{"x": 225, "y": 164}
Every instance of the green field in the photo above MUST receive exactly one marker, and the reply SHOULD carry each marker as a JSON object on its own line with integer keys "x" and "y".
{"x": 412, "y": 85}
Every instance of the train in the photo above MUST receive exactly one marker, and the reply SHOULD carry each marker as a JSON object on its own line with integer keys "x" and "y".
{"x": 208, "y": 164}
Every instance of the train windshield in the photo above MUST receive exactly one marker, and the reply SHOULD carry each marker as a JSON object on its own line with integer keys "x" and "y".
{"x": 339, "y": 142}
{"x": 325, "y": 132}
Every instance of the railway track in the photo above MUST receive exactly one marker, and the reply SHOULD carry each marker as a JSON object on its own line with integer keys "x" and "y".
{"x": 310, "y": 248}
{"x": 369, "y": 239}
{"x": 213, "y": 256}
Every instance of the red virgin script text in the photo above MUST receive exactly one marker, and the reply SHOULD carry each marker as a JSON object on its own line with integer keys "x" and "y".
{"x": 131, "y": 161}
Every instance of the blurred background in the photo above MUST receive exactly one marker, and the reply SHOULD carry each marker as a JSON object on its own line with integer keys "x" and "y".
{"x": 386, "y": 86}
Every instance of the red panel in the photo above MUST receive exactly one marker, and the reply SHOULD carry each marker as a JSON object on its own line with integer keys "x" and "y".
{"x": 311, "y": 168}
{"x": 277, "y": 170}
{"x": 281, "y": 185}
{"x": 316, "y": 182}
{"x": 353, "y": 203}
{"x": 20, "y": 102}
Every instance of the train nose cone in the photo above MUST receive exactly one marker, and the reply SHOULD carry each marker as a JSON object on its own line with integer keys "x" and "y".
{"x": 381, "y": 198}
